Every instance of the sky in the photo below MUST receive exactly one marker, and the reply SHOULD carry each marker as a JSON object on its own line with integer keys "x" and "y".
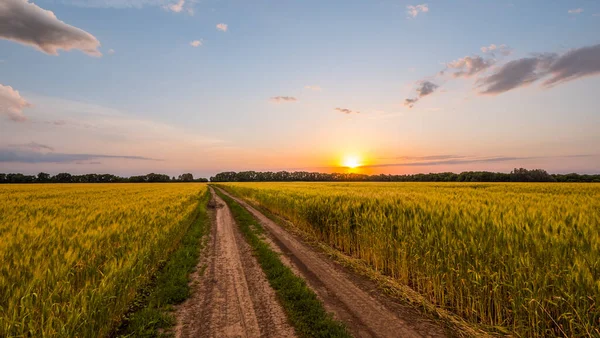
{"x": 136, "y": 86}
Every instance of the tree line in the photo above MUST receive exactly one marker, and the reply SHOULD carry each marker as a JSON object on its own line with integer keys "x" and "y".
{"x": 95, "y": 178}
{"x": 517, "y": 175}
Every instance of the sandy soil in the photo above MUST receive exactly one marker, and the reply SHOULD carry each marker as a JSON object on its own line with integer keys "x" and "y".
{"x": 231, "y": 295}
{"x": 353, "y": 300}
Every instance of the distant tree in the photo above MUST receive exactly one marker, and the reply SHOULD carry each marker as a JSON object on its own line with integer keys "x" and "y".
{"x": 63, "y": 178}
{"x": 187, "y": 177}
{"x": 43, "y": 177}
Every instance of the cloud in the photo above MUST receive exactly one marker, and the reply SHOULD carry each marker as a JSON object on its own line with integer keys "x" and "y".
{"x": 32, "y": 146}
{"x": 313, "y": 87}
{"x": 492, "y": 49}
{"x": 346, "y": 111}
{"x": 28, "y": 24}
{"x": 59, "y": 122}
{"x": 425, "y": 88}
{"x": 111, "y": 51}
{"x": 572, "y": 65}
{"x": 222, "y": 27}
{"x": 22, "y": 156}
{"x": 413, "y": 11}
{"x": 429, "y": 158}
{"x": 514, "y": 74}
{"x": 576, "y": 11}
{"x": 196, "y": 43}
{"x": 281, "y": 99}
{"x": 453, "y": 160}
{"x": 175, "y": 7}
{"x": 596, "y": 14}
{"x": 12, "y": 104}
{"x": 469, "y": 65}
{"x": 575, "y": 64}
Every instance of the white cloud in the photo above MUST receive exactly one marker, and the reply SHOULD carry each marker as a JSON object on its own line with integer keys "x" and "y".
{"x": 12, "y": 104}
{"x": 576, "y": 11}
{"x": 469, "y": 65}
{"x": 222, "y": 27}
{"x": 413, "y": 11}
{"x": 196, "y": 43}
{"x": 176, "y": 7}
{"x": 111, "y": 51}
{"x": 502, "y": 49}
{"x": 28, "y": 24}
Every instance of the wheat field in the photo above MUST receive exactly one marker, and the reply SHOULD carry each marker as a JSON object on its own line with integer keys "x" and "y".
{"x": 511, "y": 258}
{"x": 74, "y": 255}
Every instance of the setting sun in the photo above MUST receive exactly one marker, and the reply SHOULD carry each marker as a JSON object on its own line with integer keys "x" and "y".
{"x": 351, "y": 162}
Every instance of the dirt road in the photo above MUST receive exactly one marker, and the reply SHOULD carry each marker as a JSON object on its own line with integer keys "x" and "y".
{"x": 352, "y": 300}
{"x": 231, "y": 295}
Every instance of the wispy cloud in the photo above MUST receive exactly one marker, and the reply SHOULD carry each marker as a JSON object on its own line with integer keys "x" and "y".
{"x": 32, "y": 146}
{"x": 12, "y": 104}
{"x": 28, "y": 24}
{"x": 22, "y": 156}
{"x": 282, "y": 99}
{"x": 313, "y": 87}
{"x": 413, "y": 11}
{"x": 196, "y": 43}
{"x": 346, "y": 111}
{"x": 424, "y": 88}
{"x": 576, "y": 11}
{"x": 222, "y": 27}
{"x": 175, "y": 7}
{"x": 492, "y": 49}
{"x": 438, "y": 160}
{"x": 111, "y": 51}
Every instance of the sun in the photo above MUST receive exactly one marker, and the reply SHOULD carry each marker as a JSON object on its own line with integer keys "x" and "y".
{"x": 351, "y": 162}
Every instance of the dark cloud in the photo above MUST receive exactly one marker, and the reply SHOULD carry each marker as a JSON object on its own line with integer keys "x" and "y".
{"x": 346, "y": 111}
{"x": 574, "y": 64}
{"x": 425, "y": 88}
{"x": 280, "y": 99}
{"x": 514, "y": 74}
{"x": 26, "y": 23}
{"x": 7, "y": 155}
{"x": 32, "y": 146}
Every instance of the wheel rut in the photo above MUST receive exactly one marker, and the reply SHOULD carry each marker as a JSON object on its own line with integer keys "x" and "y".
{"x": 231, "y": 296}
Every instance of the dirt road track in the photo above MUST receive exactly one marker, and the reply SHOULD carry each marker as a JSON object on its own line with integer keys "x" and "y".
{"x": 232, "y": 297}
{"x": 354, "y": 302}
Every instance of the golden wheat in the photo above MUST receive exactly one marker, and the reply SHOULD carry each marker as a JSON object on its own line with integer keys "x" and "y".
{"x": 74, "y": 255}
{"x": 520, "y": 258}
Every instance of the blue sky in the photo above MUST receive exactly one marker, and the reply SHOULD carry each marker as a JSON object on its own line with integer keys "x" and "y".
{"x": 209, "y": 108}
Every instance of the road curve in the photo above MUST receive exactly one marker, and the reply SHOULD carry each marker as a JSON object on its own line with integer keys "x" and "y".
{"x": 232, "y": 297}
{"x": 364, "y": 313}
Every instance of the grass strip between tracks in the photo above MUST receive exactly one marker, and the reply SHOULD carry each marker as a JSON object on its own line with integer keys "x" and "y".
{"x": 303, "y": 308}
{"x": 150, "y": 313}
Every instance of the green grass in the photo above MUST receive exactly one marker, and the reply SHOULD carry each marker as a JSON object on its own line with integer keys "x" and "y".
{"x": 151, "y": 311}
{"x": 304, "y": 309}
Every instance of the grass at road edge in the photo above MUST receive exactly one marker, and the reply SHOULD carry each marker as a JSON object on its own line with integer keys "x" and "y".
{"x": 150, "y": 311}
{"x": 303, "y": 308}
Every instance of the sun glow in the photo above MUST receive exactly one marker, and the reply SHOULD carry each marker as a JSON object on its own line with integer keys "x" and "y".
{"x": 351, "y": 162}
